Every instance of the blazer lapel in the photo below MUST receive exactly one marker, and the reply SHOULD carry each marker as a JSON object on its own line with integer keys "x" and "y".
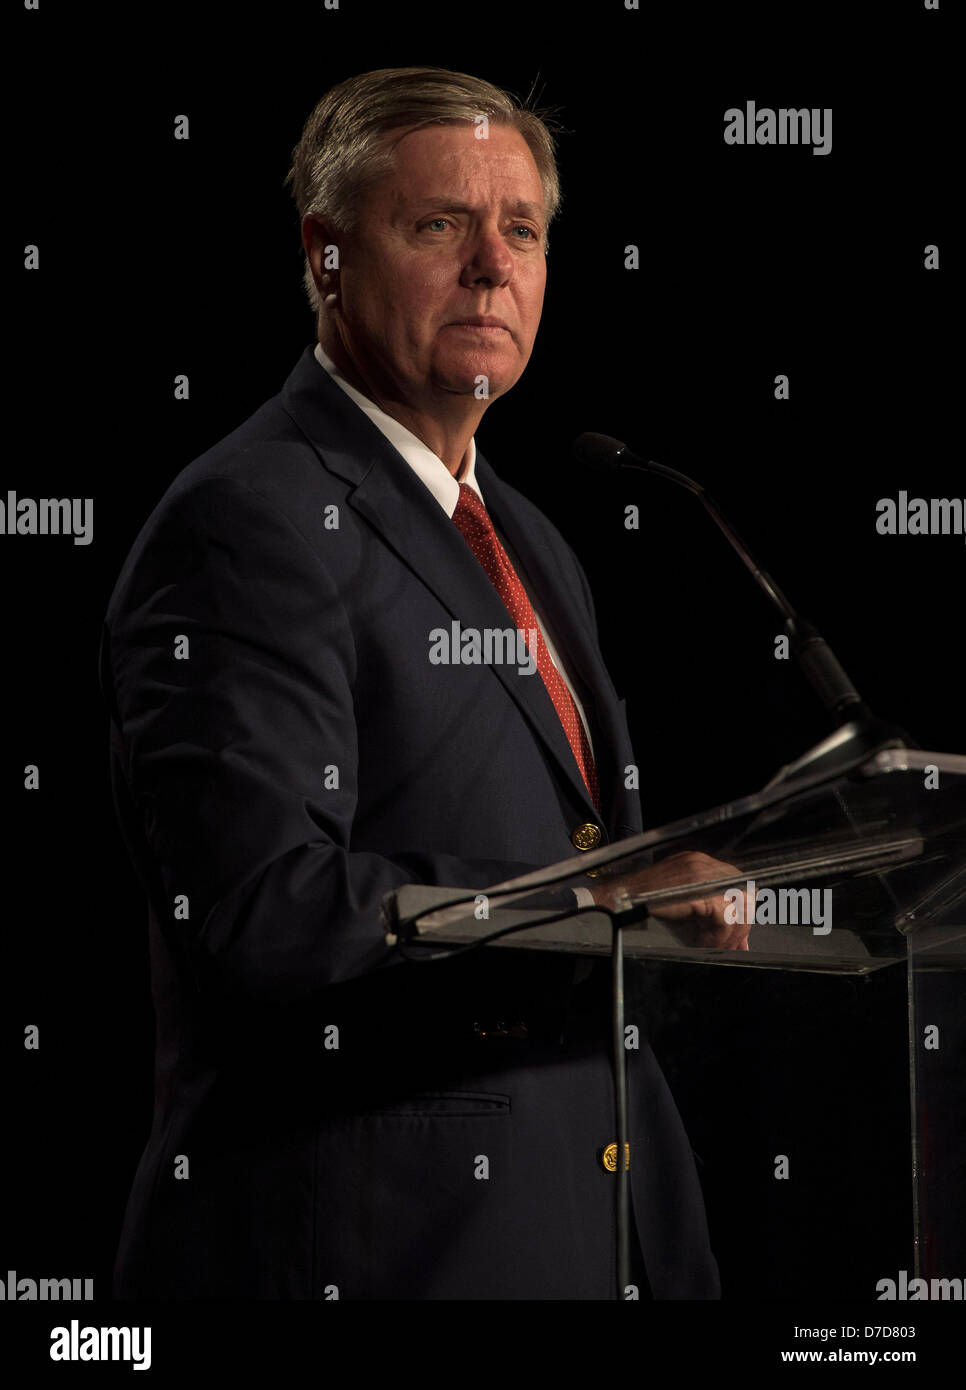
{"x": 563, "y": 604}
{"x": 396, "y": 503}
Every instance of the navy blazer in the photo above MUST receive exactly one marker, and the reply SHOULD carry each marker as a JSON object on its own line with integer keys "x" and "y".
{"x": 329, "y": 1120}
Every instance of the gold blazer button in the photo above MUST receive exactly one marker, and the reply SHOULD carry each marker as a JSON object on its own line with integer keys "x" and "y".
{"x": 609, "y": 1157}
{"x": 586, "y": 836}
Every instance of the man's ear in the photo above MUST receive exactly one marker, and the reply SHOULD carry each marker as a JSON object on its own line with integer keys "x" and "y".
{"x": 321, "y": 245}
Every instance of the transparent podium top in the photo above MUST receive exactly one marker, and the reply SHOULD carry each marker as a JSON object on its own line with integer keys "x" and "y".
{"x": 840, "y": 874}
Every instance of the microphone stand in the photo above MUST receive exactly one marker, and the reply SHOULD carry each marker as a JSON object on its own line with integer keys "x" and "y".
{"x": 858, "y": 735}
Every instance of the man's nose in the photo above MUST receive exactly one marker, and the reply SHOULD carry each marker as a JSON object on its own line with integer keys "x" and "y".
{"x": 489, "y": 261}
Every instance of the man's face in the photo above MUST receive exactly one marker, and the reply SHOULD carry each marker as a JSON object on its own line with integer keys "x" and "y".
{"x": 455, "y": 232}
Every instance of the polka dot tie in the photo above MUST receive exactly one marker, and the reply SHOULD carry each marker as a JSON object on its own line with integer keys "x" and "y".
{"x": 473, "y": 520}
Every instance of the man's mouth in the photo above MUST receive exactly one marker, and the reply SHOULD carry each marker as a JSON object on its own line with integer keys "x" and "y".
{"x": 481, "y": 324}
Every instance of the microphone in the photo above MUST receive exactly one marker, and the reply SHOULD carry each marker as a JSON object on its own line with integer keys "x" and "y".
{"x": 857, "y": 725}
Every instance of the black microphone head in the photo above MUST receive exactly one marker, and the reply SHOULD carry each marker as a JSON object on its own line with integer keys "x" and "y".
{"x": 599, "y": 451}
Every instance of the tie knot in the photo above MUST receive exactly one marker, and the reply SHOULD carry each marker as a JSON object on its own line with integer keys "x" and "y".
{"x": 470, "y": 512}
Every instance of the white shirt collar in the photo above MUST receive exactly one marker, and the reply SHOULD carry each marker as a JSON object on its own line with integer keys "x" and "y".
{"x": 425, "y": 464}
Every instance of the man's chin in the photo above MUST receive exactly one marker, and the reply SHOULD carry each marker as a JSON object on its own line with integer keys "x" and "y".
{"x": 483, "y": 380}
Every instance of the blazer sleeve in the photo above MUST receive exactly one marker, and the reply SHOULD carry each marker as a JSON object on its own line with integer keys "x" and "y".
{"x": 228, "y": 663}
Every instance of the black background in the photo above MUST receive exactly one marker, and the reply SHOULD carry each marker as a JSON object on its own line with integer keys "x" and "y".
{"x": 160, "y": 257}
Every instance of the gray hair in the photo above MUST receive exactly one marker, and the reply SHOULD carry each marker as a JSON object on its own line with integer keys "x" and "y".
{"x": 343, "y": 151}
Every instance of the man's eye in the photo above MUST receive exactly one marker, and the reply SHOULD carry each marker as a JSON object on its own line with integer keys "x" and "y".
{"x": 529, "y": 231}
{"x": 437, "y": 222}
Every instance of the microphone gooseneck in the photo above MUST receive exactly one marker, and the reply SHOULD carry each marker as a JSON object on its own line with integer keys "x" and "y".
{"x": 604, "y": 454}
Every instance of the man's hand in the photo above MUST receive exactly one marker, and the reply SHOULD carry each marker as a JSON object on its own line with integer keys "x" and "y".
{"x": 706, "y": 915}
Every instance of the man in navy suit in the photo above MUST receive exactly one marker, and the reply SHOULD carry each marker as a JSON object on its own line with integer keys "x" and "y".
{"x": 331, "y": 1120}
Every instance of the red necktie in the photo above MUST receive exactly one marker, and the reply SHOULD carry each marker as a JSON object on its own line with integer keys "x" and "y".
{"x": 473, "y": 520}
